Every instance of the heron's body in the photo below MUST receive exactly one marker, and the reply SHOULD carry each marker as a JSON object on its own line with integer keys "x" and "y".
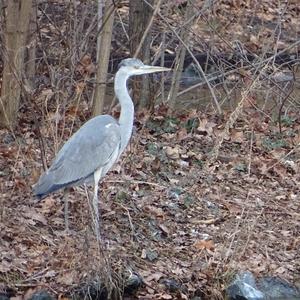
{"x": 89, "y": 154}
{"x": 87, "y": 151}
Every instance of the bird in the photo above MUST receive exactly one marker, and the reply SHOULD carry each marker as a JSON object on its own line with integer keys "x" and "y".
{"x": 92, "y": 151}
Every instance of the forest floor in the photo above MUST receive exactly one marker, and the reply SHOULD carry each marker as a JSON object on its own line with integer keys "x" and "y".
{"x": 171, "y": 212}
{"x": 167, "y": 214}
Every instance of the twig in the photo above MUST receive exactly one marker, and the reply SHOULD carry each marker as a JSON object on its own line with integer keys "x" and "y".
{"x": 195, "y": 60}
{"x": 122, "y": 25}
{"x": 139, "y": 182}
{"x": 250, "y": 153}
{"x": 283, "y": 102}
{"x": 267, "y": 60}
{"x": 180, "y": 56}
{"x": 232, "y": 119}
{"x": 130, "y": 221}
{"x": 162, "y": 63}
{"x": 280, "y": 160}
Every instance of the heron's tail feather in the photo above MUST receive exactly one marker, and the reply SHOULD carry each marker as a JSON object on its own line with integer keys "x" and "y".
{"x": 45, "y": 186}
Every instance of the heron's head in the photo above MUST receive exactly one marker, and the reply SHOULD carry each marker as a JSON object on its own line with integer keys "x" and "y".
{"x": 133, "y": 66}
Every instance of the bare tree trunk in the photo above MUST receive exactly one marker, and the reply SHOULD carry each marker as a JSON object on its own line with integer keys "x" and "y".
{"x": 180, "y": 56}
{"x": 18, "y": 15}
{"x": 100, "y": 9}
{"x": 139, "y": 17}
{"x": 31, "y": 54}
{"x": 103, "y": 57}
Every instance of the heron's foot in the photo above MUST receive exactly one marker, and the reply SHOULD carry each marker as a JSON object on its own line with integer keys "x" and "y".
{"x": 67, "y": 231}
{"x": 64, "y": 233}
{"x": 67, "y": 227}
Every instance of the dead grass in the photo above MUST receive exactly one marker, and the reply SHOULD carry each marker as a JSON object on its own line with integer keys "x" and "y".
{"x": 162, "y": 218}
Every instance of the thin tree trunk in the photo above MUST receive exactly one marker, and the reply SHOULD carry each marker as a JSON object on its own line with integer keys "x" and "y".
{"x": 139, "y": 17}
{"x": 180, "y": 56}
{"x": 31, "y": 55}
{"x": 16, "y": 29}
{"x": 103, "y": 57}
{"x": 100, "y": 9}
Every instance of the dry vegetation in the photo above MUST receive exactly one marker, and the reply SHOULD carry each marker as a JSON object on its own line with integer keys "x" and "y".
{"x": 196, "y": 197}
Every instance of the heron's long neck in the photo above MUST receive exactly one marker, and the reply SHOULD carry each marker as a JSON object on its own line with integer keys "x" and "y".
{"x": 127, "y": 108}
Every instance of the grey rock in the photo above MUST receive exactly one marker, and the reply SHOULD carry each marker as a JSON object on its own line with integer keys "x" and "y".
{"x": 171, "y": 284}
{"x": 276, "y": 288}
{"x": 244, "y": 288}
{"x": 133, "y": 283}
{"x": 41, "y": 295}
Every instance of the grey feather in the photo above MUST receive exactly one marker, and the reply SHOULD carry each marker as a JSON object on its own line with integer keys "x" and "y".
{"x": 92, "y": 147}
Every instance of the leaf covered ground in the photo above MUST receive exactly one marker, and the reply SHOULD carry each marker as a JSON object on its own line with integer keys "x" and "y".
{"x": 167, "y": 212}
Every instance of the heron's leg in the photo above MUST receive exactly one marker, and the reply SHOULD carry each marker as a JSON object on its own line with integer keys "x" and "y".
{"x": 66, "y": 209}
{"x": 97, "y": 176}
{"x": 96, "y": 211}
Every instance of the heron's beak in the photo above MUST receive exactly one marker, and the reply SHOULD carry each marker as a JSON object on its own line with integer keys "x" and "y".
{"x": 152, "y": 69}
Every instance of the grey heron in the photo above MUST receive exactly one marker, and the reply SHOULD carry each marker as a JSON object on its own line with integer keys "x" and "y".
{"x": 90, "y": 153}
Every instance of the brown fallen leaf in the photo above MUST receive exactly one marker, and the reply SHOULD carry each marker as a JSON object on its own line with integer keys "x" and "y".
{"x": 156, "y": 211}
{"x": 182, "y": 134}
{"x": 164, "y": 229}
{"x": 163, "y": 296}
{"x": 32, "y": 214}
{"x": 204, "y": 244}
{"x": 177, "y": 271}
{"x": 154, "y": 276}
{"x": 5, "y": 266}
{"x": 28, "y": 294}
{"x": 173, "y": 152}
{"x": 62, "y": 297}
{"x": 86, "y": 66}
{"x": 206, "y": 222}
{"x": 237, "y": 136}
{"x": 206, "y": 127}
{"x": 48, "y": 204}
{"x": 68, "y": 278}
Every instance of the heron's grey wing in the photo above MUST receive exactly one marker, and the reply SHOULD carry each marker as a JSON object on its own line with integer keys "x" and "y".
{"x": 95, "y": 145}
